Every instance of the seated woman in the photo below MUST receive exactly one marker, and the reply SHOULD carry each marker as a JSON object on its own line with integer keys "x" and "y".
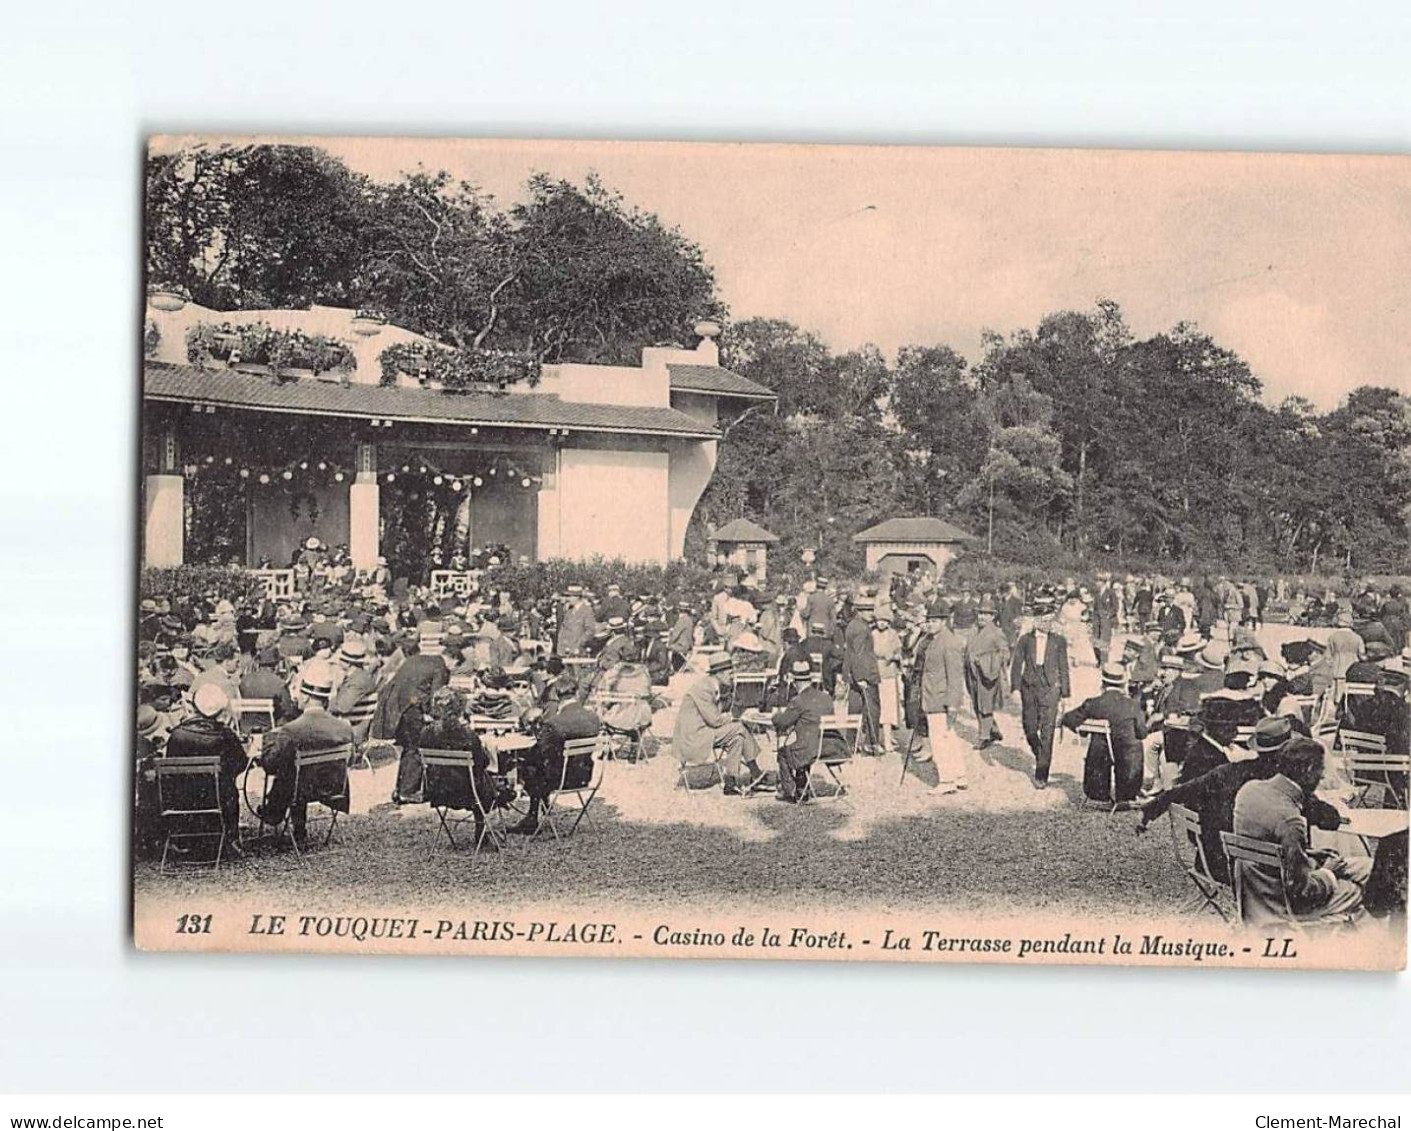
{"x": 448, "y": 728}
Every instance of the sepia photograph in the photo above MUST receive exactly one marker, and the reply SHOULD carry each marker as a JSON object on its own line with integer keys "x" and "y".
{"x": 772, "y": 551}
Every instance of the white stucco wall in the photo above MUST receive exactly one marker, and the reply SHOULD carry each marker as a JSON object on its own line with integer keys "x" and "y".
{"x": 939, "y": 553}
{"x": 614, "y": 503}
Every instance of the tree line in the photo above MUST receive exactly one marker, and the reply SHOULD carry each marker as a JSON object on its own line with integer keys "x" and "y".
{"x": 1067, "y": 443}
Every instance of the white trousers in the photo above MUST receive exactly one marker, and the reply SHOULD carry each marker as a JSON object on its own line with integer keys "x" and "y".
{"x": 946, "y": 749}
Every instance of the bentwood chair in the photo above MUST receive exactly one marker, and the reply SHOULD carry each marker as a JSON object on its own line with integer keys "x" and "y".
{"x": 1190, "y": 854}
{"x": 580, "y": 779}
{"x": 189, "y": 803}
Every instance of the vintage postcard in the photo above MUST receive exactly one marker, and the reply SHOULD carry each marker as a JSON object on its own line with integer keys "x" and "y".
{"x": 773, "y": 552}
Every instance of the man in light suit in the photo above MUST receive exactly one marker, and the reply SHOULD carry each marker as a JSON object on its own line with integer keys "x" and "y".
{"x": 314, "y": 730}
{"x": 703, "y": 727}
{"x": 1039, "y": 673}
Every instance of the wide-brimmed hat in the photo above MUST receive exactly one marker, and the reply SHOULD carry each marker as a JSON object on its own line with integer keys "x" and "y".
{"x": 937, "y": 610}
{"x": 748, "y": 642}
{"x": 1189, "y": 644}
{"x": 311, "y": 544}
{"x": 1378, "y": 650}
{"x": 1212, "y": 657}
{"x": 987, "y": 608}
{"x": 719, "y": 662}
{"x": 574, "y": 591}
{"x": 147, "y": 720}
{"x": 617, "y": 622}
{"x": 1271, "y": 735}
{"x": 210, "y": 700}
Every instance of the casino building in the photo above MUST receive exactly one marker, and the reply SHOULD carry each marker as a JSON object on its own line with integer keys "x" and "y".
{"x": 333, "y": 444}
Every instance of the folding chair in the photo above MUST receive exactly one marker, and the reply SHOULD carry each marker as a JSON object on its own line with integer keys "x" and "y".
{"x": 248, "y": 712}
{"x": 466, "y": 683}
{"x": 579, "y": 754}
{"x": 1245, "y": 851}
{"x": 485, "y": 724}
{"x": 815, "y": 664}
{"x": 360, "y": 718}
{"x": 1371, "y": 766}
{"x": 450, "y": 784}
{"x": 716, "y": 766}
{"x": 834, "y": 762}
{"x": 189, "y": 802}
{"x": 634, "y": 750}
{"x": 320, "y": 778}
{"x": 1185, "y": 839}
{"x": 747, "y": 689}
{"x": 432, "y": 643}
{"x": 1102, "y": 728}
{"x": 1357, "y": 691}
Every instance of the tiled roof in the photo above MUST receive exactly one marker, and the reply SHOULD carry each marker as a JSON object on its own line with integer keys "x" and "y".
{"x": 328, "y": 398}
{"x": 713, "y": 379}
{"x": 912, "y": 530}
{"x": 743, "y": 530}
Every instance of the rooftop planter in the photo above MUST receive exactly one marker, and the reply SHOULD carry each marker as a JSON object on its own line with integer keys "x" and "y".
{"x": 367, "y": 323}
{"x": 458, "y": 371}
{"x": 167, "y": 296}
{"x": 259, "y": 347}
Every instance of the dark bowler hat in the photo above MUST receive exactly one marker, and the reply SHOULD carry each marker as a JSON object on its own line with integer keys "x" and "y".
{"x": 1271, "y": 735}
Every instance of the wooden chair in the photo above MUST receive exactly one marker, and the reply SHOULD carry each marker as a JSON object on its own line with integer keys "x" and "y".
{"x": 576, "y": 752}
{"x": 1245, "y": 851}
{"x": 189, "y": 802}
{"x": 1190, "y": 854}
{"x": 747, "y": 690}
{"x": 360, "y": 718}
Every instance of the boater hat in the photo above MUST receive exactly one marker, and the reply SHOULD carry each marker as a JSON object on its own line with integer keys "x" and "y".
{"x": 354, "y": 652}
{"x": 210, "y": 700}
{"x": 1189, "y": 644}
{"x": 1114, "y": 675}
{"x": 801, "y": 670}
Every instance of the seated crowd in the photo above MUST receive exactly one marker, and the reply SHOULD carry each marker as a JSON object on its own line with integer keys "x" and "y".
{"x": 1189, "y": 710}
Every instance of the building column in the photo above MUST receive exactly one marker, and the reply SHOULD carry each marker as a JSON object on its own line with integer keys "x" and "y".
{"x": 364, "y": 525}
{"x": 548, "y": 544}
{"x": 164, "y": 509}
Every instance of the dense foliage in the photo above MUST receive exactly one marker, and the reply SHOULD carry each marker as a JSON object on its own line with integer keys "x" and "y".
{"x": 259, "y": 343}
{"x": 1063, "y": 445}
{"x": 457, "y": 370}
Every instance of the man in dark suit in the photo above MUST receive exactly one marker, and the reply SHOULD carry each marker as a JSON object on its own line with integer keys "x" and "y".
{"x": 207, "y": 733}
{"x": 315, "y": 730}
{"x": 862, "y": 673}
{"x": 1039, "y": 672}
{"x": 803, "y": 716}
{"x": 1123, "y": 715}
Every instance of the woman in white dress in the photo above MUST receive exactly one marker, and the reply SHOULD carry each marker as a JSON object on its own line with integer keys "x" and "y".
{"x": 1083, "y": 675}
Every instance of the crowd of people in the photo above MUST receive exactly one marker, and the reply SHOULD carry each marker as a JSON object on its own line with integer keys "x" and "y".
{"x": 1192, "y": 707}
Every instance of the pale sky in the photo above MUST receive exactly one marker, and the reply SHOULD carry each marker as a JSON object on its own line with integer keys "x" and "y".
{"x": 1298, "y": 263}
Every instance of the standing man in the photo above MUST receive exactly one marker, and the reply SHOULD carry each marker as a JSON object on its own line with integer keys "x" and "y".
{"x": 863, "y": 674}
{"x": 986, "y": 667}
{"x": 818, "y": 607}
{"x": 942, "y": 696}
{"x": 1040, "y": 675}
{"x": 578, "y": 624}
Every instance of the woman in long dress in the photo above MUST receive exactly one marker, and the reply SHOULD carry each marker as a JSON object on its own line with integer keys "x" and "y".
{"x": 887, "y": 645}
{"x": 1083, "y": 675}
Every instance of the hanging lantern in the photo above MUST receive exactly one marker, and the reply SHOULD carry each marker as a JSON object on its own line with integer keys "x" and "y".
{"x": 244, "y": 473}
{"x": 391, "y": 477}
{"x": 455, "y": 484}
{"x": 338, "y": 477}
{"x": 405, "y": 469}
{"x": 478, "y": 481}
{"x": 437, "y": 480}
{"x": 304, "y": 465}
{"x": 264, "y": 478}
{"x": 525, "y": 481}
{"x": 492, "y": 471}
{"x": 421, "y": 470}
{"x": 228, "y": 461}
{"x": 322, "y": 466}
{"x": 210, "y": 459}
